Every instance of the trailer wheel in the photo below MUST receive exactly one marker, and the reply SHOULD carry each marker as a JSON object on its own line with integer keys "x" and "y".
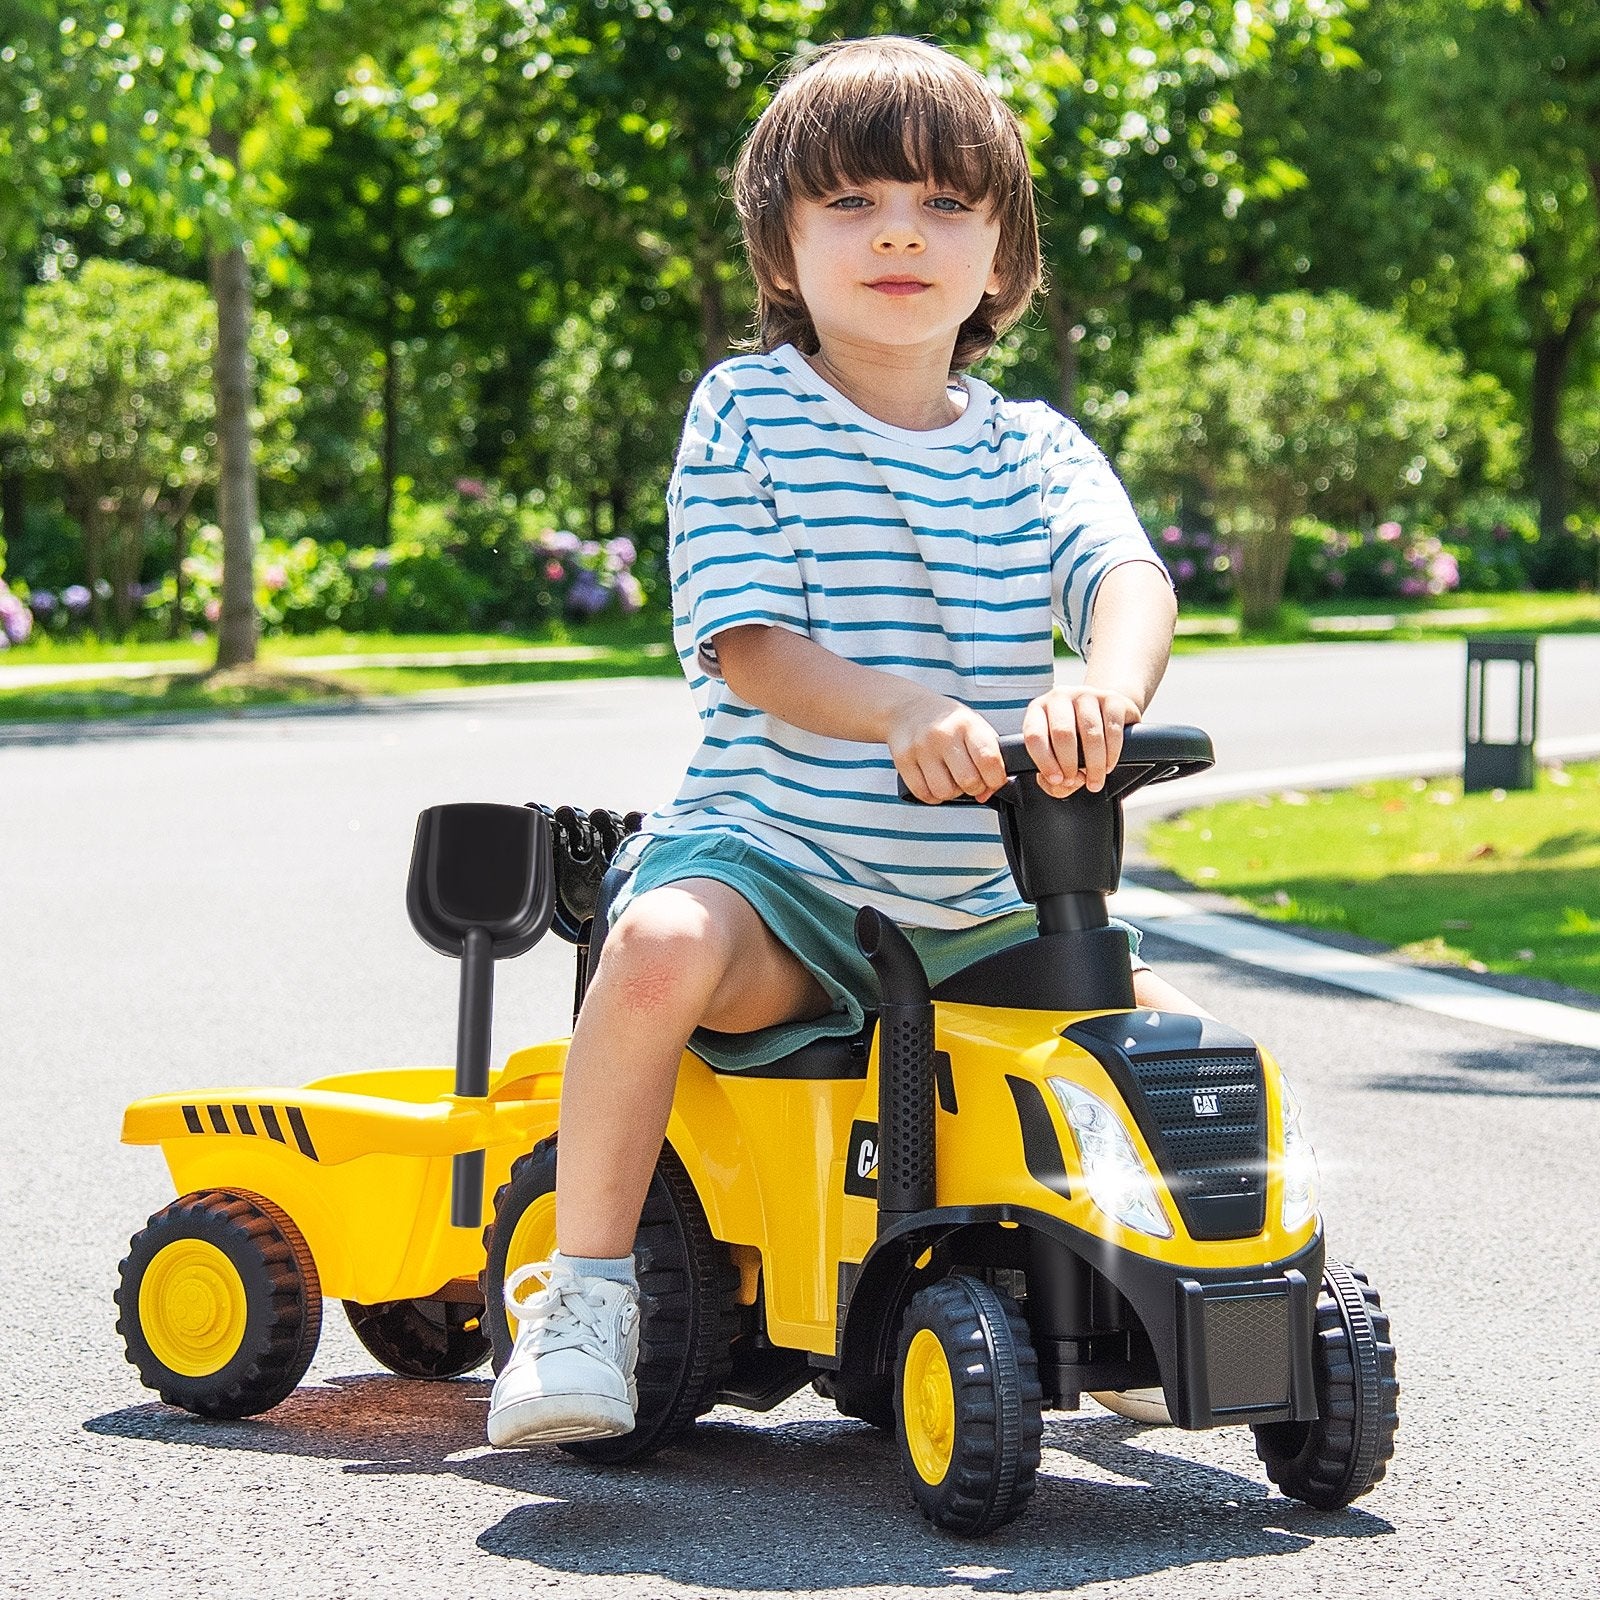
{"x": 1330, "y": 1462}
{"x": 422, "y": 1338}
{"x": 220, "y": 1308}
{"x": 687, "y": 1281}
{"x": 967, "y": 1406}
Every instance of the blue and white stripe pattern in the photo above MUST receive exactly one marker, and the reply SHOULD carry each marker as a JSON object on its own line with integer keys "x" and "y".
{"x": 944, "y": 556}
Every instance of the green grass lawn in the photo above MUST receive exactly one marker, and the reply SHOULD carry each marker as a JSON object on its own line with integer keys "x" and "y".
{"x": 611, "y": 632}
{"x": 168, "y": 694}
{"x": 1493, "y": 882}
{"x": 1448, "y": 617}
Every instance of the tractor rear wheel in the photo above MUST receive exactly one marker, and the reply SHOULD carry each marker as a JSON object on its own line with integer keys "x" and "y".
{"x": 687, "y": 1281}
{"x": 1330, "y": 1462}
{"x": 422, "y": 1338}
{"x": 220, "y": 1307}
{"x": 967, "y": 1406}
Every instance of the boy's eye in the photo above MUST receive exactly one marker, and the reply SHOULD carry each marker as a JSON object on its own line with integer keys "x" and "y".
{"x": 948, "y": 204}
{"x": 848, "y": 202}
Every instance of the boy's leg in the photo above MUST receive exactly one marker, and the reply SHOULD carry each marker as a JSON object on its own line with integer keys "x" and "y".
{"x": 685, "y": 955}
{"x": 1156, "y": 994}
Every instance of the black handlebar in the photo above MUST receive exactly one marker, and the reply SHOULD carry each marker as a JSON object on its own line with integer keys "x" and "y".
{"x": 1151, "y": 753}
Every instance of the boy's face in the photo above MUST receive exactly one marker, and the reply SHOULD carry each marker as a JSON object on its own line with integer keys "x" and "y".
{"x": 885, "y": 263}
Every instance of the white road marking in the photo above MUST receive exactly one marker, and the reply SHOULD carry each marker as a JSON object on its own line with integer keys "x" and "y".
{"x": 1258, "y": 945}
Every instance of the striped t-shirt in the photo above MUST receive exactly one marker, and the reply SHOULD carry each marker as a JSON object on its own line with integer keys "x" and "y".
{"x": 943, "y": 556}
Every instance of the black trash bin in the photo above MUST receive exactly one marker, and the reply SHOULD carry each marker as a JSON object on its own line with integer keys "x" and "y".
{"x": 1499, "y": 763}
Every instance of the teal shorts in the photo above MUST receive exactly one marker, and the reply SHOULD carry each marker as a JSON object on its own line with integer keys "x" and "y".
{"x": 820, "y": 931}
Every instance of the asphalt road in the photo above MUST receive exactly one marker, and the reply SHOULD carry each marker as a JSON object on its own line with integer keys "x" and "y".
{"x": 222, "y": 903}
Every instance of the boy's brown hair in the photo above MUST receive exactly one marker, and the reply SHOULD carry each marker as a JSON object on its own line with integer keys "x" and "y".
{"x": 892, "y": 110}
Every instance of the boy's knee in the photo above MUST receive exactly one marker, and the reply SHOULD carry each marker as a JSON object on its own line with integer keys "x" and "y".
{"x": 664, "y": 953}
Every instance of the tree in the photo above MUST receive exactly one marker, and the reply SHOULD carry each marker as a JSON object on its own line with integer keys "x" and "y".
{"x": 1135, "y": 129}
{"x": 118, "y": 403}
{"x": 1269, "y": 411}
{"x": 1513, "y": 86}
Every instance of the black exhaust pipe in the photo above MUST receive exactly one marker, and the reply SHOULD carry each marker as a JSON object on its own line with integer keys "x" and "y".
{"x": 905, "y": 1069}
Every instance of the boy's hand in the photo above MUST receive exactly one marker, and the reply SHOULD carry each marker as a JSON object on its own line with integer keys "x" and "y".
{"x": 943, "y": 749}
{"x": 1075, "y": 736}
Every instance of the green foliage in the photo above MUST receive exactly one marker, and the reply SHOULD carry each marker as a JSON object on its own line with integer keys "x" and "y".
{"x": 1268, "y": 411}
{"x": 117, "y": 404}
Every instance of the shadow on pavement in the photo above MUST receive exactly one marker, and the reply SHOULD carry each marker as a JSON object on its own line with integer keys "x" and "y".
{"x": 794, "y": 1505}
{"x": 1522, "y": 1069}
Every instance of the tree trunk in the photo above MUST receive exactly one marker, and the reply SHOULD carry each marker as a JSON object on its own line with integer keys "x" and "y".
{"x": 236, "y": 484}
{"x": 234, "y": 381}
{"x": 1547, "y": 464}
{"x": 13, "y": 497}
{"x": 391, "y": 433}
{"x": 1066, "y": 335}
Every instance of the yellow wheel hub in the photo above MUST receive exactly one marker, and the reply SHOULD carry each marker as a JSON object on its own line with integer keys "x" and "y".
{"x": 532, "y": 1239}
{"x": 192, "y": 1308}
{"x": 929, "y": 1401}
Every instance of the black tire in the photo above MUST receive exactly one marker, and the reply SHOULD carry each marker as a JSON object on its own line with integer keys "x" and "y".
{"x": 1334, "y": 1460}
{"x": 422, "y": 1338}
{"x": 687, "y": 1313}
{"x": 247, "y": 1334}
{"x": 869, "y": 1399}
{"x": 967, "y": 1406}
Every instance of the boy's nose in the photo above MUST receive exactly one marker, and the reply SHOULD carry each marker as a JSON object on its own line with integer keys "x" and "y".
{"x": 894, "y": 237}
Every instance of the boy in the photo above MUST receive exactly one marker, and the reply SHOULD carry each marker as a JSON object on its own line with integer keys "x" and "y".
{"x": 866, "y": 551}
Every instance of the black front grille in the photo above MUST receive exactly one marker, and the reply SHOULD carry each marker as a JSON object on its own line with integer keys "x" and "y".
{"x": 1201, "y": 1110}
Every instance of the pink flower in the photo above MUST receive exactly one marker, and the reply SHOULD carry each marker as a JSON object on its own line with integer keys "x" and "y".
{"x": 275, "y": 577}
{"x": 1412, "y": 587}
{"x": 1388, "y": 531}
{"x": 1184, "y": 570}
{"x": 1172, "y": 535}
{"x": 1443, "y": 569}
{"x": 213, "y": 609}
{"x": 471, "y": 489}
{"x": 554, "y": 571}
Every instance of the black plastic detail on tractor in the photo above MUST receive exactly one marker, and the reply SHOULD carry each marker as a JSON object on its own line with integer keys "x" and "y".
{"x": 584, "y": 845}
{"x": 905, "y": 1068}
{"x": 1227, "y": 1344}
{"x": 191, "y": 1119}
{"x": 1041, "y": 1149}
{"x": 302, "y": 1137}
{"x": 482, "y": 889}
{"x": 269, "y": 1121}
{"x": 1066, "y": 857}
{"x": 1197, "y": 1091}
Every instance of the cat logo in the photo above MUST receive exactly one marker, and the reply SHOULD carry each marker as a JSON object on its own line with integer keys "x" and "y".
{"x": 861, "y": 1160}
{"x": 1205, "y": 1105}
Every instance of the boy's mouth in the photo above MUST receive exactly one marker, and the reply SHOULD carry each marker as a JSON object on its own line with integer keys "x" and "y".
{"x": 897, "y": 285}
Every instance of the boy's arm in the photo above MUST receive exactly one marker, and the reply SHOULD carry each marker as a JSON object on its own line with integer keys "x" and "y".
{"x": 940, "y": 747}
{"x": 1075, "y": 735}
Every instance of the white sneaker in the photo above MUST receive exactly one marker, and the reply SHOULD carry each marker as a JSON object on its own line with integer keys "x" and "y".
{"x": 570, "y": 1375}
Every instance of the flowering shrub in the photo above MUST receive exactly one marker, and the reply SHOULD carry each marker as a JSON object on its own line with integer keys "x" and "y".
{"x": 16, "y": 620}
{"x": 1201, "y": 564}
{"x": 1385, "y": 563}
{"x": 477, "y": 562}
{"x": 1388, "y": 562}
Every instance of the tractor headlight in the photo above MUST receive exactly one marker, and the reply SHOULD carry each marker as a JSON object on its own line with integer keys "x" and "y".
{"x": 1299, "y": 1169}
{"x": 1115, "y": 1176}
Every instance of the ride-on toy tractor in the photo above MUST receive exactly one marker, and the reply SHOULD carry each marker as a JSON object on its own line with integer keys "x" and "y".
{"x": 1006, "y": 1193}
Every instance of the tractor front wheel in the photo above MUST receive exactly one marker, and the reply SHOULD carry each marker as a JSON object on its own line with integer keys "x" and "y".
{"x": 967, "y": 1406}
{"x": 1329, "y": 1462}
{"x": 220, "y": 1308}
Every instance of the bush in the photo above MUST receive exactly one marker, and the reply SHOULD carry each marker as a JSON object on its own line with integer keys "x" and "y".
{"x": 474, "y": 563}
{"x": 1267, "y": 412}
{"x": 1388, "y": 562}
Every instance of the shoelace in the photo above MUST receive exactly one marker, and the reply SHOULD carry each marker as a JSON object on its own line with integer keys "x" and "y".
{"x": 560, "y": 1311}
